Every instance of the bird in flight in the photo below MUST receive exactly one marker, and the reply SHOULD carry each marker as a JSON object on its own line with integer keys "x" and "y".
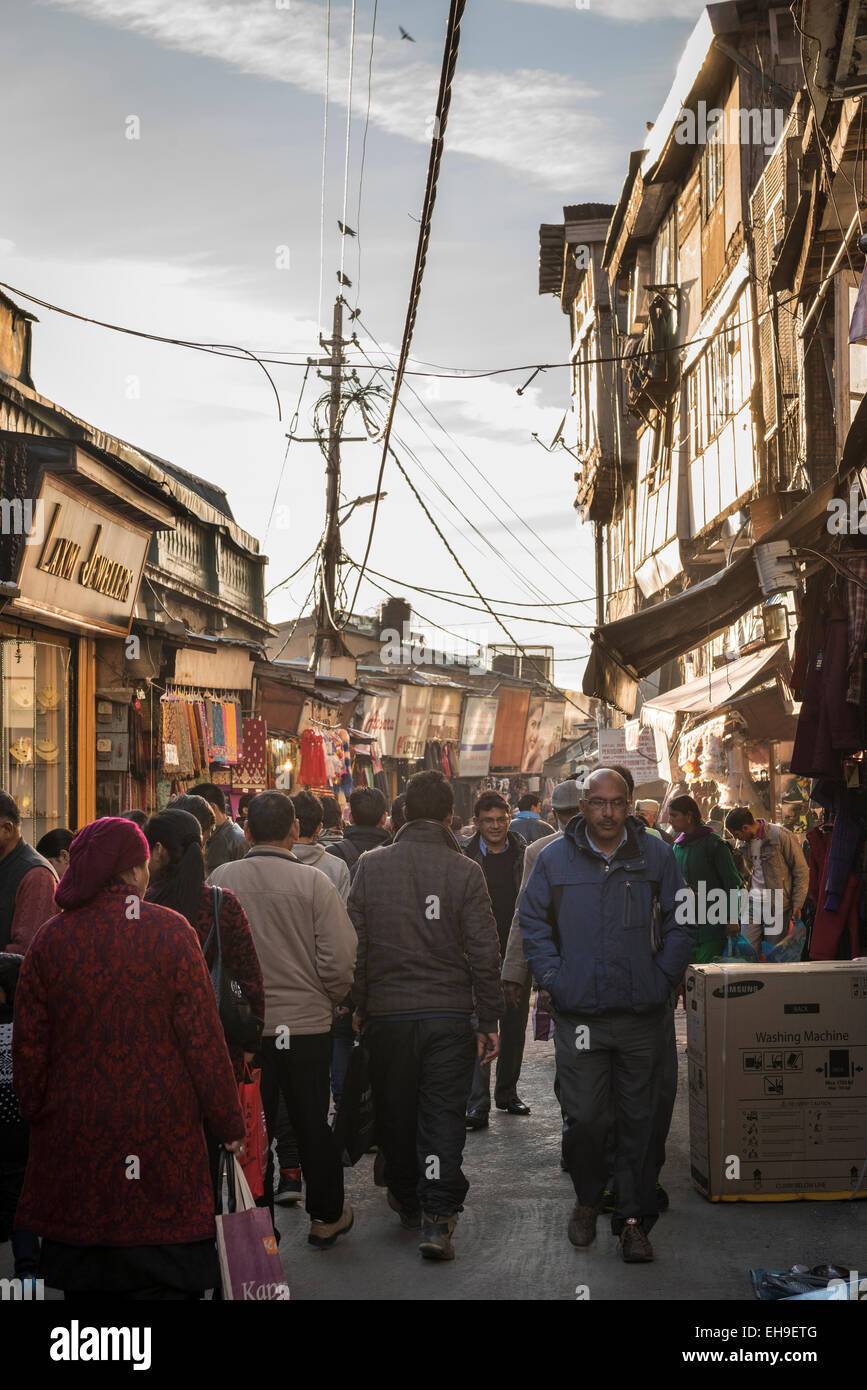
{"x": 404, "y": 34}
{"x": 345, "y": 229}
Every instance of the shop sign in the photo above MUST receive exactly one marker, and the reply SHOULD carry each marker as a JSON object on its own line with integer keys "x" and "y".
{"x": 89, "y": 564}
{"x": 444, "y": 725}
{"x": 412, "y": 721}
{"x": 543, "y": 735}
{"x": 640, "y": 759}
{"x": 380, "y": 721}
{"x": 477, "y": 735}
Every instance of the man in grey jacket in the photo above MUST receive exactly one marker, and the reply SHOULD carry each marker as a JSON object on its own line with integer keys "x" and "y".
{"x": 308, "y": 810}
{"x": 778, "y": 865}
{"x": 306, "y": 948}
{"x": 227, "y": 842}
{"x": 428, "y": 959}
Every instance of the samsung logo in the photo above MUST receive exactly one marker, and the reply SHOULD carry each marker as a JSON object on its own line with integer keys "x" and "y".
{"x": 731, "y": 991}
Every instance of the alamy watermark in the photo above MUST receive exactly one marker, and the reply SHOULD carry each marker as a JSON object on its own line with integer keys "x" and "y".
{"x": 405, "y": 649}
{"x": 848, "y": 517}
{"x": 720, "y": 907}
{"x": 738, "y": 126}
{"x": 23, "y": 516}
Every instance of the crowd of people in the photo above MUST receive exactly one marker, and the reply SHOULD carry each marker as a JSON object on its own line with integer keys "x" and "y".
{"x": 395, "y": 931}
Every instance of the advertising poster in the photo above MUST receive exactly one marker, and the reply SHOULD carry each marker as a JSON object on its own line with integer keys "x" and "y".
{"x": 477, "y": 735}
{"x": 543, "y": 734}
{"x": 380, "y": 720}
{"x": 412, "y": 721}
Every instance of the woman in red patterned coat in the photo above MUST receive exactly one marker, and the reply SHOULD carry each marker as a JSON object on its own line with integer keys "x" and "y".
{"x": 118, "y": 1056}
{"x": 178, "y": 881}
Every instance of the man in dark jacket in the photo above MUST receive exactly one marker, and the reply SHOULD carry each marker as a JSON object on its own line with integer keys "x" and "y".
{"x": 227, "y": 842}
{"x": 428, "y": 960}
{"x": 500, "y": 852}
{"x": 598, "y": 918}
{"x": 331, "y": 836}
{"x": 528, "y": 822}
{"x": 368, "y": 811}
{"x": 27, "y": 883}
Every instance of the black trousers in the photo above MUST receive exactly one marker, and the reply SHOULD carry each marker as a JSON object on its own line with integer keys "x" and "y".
{"x": 619, "y": 1063}
{"x": 513, "y": 1032}
{"x": 421, "y": 1071}
{"x": 301, "y": 1074}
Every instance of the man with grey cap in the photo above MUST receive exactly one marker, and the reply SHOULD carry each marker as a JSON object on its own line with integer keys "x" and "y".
{"x": 515, "y": 973}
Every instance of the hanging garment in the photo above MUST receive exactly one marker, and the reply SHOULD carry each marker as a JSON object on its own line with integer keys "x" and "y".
{"x": 313, "y": 772}
{"x": 828, "y": 726}
{"x": 856, "y": 604}
{"x": 346, "y": 785}
{"x": 830, "y": 925}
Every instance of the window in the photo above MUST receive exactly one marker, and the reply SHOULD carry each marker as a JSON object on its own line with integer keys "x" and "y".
{"x": 712, "y": 167}
{"x": 660, "y": 455}
{"x": 34, "y": 760}
{"x": 665, "y": 252}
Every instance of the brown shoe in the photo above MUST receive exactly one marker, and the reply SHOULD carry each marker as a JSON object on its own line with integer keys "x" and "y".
{"x": 582, "y": 1225}
{"x": 635, "y": 1248}
{"x": 436, "y": 1238}
{"x": 324, "y": 1233}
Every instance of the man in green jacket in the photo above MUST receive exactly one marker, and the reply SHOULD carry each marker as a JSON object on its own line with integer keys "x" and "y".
{"x": 705, "y": 859}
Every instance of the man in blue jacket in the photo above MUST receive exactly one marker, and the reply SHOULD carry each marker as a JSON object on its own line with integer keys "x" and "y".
{"x": 598, "y": 922}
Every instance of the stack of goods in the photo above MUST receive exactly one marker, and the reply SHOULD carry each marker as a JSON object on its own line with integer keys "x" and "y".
{"x": 441, "y": 757}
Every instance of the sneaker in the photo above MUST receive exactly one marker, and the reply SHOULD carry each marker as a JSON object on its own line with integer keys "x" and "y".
{"x": 635, "y": 1248}
{"x": 582, "y": 1225}
{"x": 323, "y": 1234}
{"x": 609, "y": 1200}
{"x": 289, "y": 1187}
{"x": 410, "y": 1217}
{"x": 662, "y": 1202}
{"x": 436, "y": 1240}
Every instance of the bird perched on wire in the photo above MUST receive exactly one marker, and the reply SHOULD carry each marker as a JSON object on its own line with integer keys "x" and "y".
{"x": 346, "y": 230}
{"x": 344, "y": 279}
{"x": 404, "y": 34}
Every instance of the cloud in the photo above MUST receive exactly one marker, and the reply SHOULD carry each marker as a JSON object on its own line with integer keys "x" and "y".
{"x": 539, "y": 124}
{"x": 630, "y": 10}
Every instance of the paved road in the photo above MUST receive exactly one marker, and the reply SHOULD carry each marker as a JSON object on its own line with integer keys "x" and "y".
{"x": 511, "y": 1239}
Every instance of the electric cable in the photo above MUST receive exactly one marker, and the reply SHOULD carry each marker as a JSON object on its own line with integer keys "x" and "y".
{"x": 289, "y": 577}
{"x": 363, "y": 154}
{"x": 324, "y": 163}
{"x": 292, "y": 428}
{"x": 348, "y": 133}
{"x": 444, "y": 97}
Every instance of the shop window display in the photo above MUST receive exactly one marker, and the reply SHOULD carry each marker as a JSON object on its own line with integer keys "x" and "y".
{"x": 35, "y": 761}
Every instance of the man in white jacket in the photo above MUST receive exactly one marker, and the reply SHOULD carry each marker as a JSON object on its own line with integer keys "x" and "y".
{"x": 308, "y": 812}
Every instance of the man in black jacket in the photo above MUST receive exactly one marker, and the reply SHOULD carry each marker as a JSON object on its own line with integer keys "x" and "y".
{"x": 428, "y": 961}
{"x": 500, "y": 852}
{"x": 368, "y": 812}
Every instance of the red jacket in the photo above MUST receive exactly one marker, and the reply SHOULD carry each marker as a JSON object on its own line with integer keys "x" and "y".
{"x": 118, "y": 1052}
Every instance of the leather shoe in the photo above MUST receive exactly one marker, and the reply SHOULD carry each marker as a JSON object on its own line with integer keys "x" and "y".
{"x": 514, "y": 1107}
{"x": 477, "y": 1119}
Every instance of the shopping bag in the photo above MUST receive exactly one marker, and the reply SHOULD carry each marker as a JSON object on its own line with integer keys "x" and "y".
{"x": 738, "y": 948}
{"x": 355, "y": 1122}
{"x": 790, "y": 949}
{"x": 543, "y": 1023}
{"x": 255, "y": 1156}
{"x": 250, "y": 1265}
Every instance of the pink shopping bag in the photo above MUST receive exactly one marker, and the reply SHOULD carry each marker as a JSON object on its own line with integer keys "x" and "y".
{"x": 250, "y": 1265}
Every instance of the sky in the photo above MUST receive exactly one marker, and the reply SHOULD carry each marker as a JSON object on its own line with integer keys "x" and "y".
{"x": 166, "y": 174}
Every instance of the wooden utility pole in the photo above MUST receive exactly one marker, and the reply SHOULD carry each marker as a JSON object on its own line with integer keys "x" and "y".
{"x": 328, "y": 641}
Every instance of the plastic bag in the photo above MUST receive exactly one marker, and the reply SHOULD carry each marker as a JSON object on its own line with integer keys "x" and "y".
{"x": 738, "y": 948}
{"x": 791, "y": 948}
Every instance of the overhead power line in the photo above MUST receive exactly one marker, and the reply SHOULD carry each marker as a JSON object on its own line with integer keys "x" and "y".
{"x": 444, "y": 98}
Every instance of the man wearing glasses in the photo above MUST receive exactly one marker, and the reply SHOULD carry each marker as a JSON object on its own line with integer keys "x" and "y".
{"x": 598, "y": 922}
{"x": 500, "y": 852}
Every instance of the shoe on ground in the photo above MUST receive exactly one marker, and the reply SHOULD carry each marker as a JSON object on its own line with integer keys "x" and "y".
{"x": 436, "y": 1237}
{"x": 477, "y": 1119}
{"x": 289, "y": 1187}
{"x": 410, "y": 1217}
{"x": 515, "y": 1106}
{"x": 609, "y": 1200}
{"x": 582, "y": 1225}
{"x": 323, "y": 1234}
{"x": 635, "y": 1248}
{"x": 379, "y": 1169}
{"x": 662, "y": 1201}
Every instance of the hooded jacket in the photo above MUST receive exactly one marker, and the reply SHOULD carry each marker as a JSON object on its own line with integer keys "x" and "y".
{"x": 586, "y": 923}
{"x": 329, "y": 864}
{"x": 427, "y": 939}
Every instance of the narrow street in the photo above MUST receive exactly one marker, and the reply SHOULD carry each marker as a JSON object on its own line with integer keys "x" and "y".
{"x": 511, "y": 1240}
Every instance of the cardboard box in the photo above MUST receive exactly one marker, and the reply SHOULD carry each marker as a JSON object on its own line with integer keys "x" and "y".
{"x": 778, "y": 1080}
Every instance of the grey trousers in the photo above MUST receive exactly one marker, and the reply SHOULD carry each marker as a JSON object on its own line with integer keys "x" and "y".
{"x": 620, "y": 1063}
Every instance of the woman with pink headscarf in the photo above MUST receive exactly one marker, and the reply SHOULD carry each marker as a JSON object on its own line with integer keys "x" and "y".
{"x": 118, "y": 1055}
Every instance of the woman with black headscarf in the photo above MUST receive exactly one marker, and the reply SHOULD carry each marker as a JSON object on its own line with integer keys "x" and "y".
{"x": 178, "y": 881}
{"x": 118, "y": 1058}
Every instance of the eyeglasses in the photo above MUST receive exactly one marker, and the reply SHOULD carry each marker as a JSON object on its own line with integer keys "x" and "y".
{"x": 599, "y": 803}
{"x": 493, "y": 820}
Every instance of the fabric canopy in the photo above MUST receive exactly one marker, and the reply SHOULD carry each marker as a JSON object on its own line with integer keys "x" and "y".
{"x": 714, "y": 690}
{"x": 635, "y": 646}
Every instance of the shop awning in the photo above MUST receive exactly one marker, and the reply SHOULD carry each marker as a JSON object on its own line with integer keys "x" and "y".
{"x": 713, "y": 691}
{"x": 625, "y": 651}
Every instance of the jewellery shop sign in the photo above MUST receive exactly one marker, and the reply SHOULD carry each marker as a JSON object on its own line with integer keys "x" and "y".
{"x": 81, "y": 563}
